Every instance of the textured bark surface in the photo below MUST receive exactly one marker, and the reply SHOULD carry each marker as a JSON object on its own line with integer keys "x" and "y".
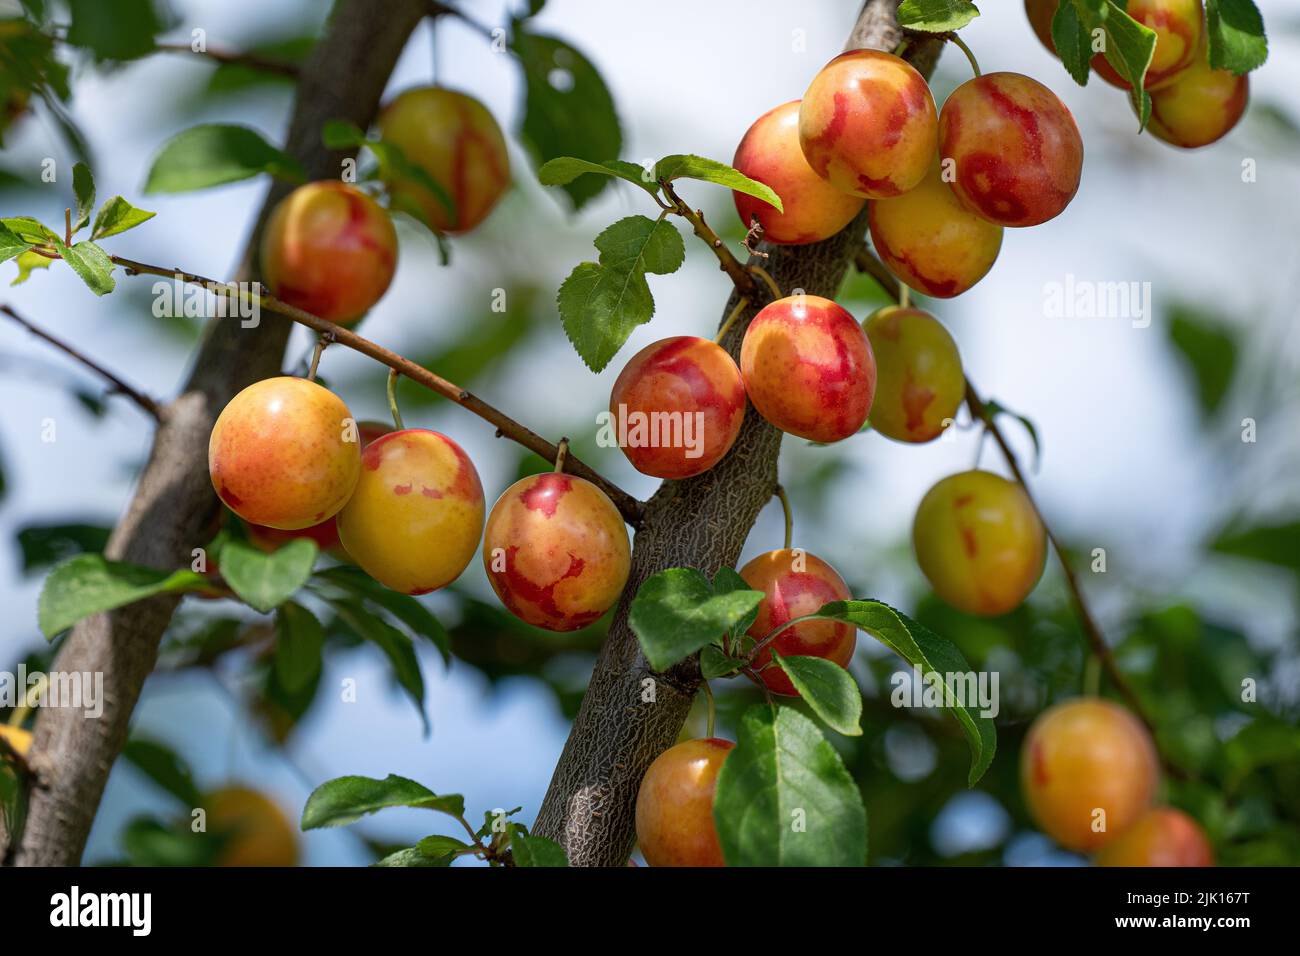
{"x": 174, "y": 502}
{"x": 701, "y": 522}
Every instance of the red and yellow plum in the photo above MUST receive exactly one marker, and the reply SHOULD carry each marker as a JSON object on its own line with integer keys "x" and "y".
{"x": 674, "y": 807}
{"x": 1180, "y": 29}
{"x": 556, "y": 551}
{"x": 1016, "y": 150}
{"x": 932, "y": 242}
{"x": 284, "y": 453}
{"x": 808, "y": 368}
{"x": 795, "y": 583}
{"x": 679, "y": 403}
{"x": 329, "y": 249}
{"x": 1200, "y": 106}
{"x": 414, "y": 521}
{"x": 812, "y": 208}
{"x": 979, "y": 542}
{"x": 454, "y": 139}
{"x": 1089, "y": 771}
{"x": 867, "y": 124}
{"x": 920, "y": 384}
{"x": 1161, "y": 837}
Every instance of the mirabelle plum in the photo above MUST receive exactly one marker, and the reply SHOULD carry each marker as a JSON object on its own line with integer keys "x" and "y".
{"x": 257, "y": 830}
{"x": 920, "y": 384}
{"x": 415, "y": 519}
{"x": 1161, "y": 837}
{"x": 1180, "y": 29}
{"x": 556, "y": 551}
{"x": 813, "y": 209}
{"x": 454, "y": 139}
{"x": 1200, "y": 106}
{"x": 1018, "y": 154}
{"x": 329, "y": 249}
{"x": 979, "y": 542}
{"x": 808, "y": 368}
{"x": 795, "y": 583}
{"x": 674, "y": 807}
{"x": 679, "y": 402}
{"x": 284, "y": 453}
{"x": 1088, "y": 771}
{"x": 867, "y": 124}
{"x": 931, "y": 241}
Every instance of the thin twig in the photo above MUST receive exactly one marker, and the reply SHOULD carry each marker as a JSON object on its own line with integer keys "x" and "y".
{"x": 116, "y": 384}
{"x": 740, "y": 277}
{"x": 506, "y": 426}
{"x": 731, "y": 319}
{"x": 437, "y": 9}
{"x": 768, "y": 281}
{"x": 251, "y": 60}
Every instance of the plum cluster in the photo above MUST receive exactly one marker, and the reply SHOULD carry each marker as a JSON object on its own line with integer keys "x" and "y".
{"x": 1192, "y": 105}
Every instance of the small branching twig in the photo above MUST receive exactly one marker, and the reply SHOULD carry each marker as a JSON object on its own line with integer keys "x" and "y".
{"x": 743, "y": 280}
{"x": 116, "y": 385}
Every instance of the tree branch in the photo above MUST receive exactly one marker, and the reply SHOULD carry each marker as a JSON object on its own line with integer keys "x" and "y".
{"x": 71, "y": 755}
{"x": 251, "y": 60}
{"x": 116, "y": 385}
{"x": 630, "y": 714}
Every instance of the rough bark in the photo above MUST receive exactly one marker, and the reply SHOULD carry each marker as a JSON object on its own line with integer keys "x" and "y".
{"x": 701, "y": 522}
{"x": 174, "y": 502}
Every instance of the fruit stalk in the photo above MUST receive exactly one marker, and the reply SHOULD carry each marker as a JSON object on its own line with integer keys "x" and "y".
{"x": 699, "y": 522}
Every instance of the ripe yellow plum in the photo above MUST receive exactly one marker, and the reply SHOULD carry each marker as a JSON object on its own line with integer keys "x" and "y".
{"x": 284, "y": 453}
{"x": 1161, "y": 837}
{"x": 674, "y": 807}
{"x": 919, "y": 384}
{"x": 257, "y": 831}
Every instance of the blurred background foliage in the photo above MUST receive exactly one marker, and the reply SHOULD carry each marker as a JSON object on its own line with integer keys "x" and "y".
{"x": 1186, "y": 654}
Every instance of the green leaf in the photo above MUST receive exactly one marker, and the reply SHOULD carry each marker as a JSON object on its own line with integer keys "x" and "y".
{"x": 995, "y": 408}
{"x": 164, "y": 767}
{"x": 402, "y": 606}
{"x": 265, "y": 581}
{"x": 1209, "y": 347}
{"x": 90, "y": 263}
{"x": 1236, "y": 34}
{"x": 345, "y": 800}
{"x": 299, "y": 642}
{"x": 711, "y": 171}
{"x": 828, "y": 689}
{"x": 725, "y": 581}
{"x": 441, "y": 847}
{"x": 44, "y": 544}
{"x": 784, "y": 797}
{"x": 1277, "y": 544}
{"x": 568, "y": 111}
{"x": 90, "y": 583}
{"x": 29, "y": 230}
{"x": 413, "y": 857}
{"x": 676, "y": 612}
{"x": 714, "y": 663}
{"x": 924, "y": 649}
{"x": 83, "y": 187}
{"x": 117, "y": 216}
{"x": 120, "y": 30}
{"x": 396, "y": 646}
{"x": 600, "y": 304}
{"x": 215, "y": 154}
{"x": 1129, "y": 48}
{"x": 393, "y": 165}
{"x": 12, "y": 245}
{"x": 936, "y": 16}
{"x": 1073, "y": 42}
{"x": 565, "y": 169}
{"x": 534, "y": 850}
{"x": 27, "y": 262}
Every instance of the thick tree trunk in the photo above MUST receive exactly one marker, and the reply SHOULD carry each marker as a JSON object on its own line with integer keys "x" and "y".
{"x": 702, "y": 523}
{"x": 72, "y": 755}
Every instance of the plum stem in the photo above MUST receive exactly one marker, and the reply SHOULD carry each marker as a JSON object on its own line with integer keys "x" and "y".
{"x": 763, "y": 274}
{"x": 713, "y": 708}
{"x": 731, "y": 319}
{"x": 904, "y": 296}
{"x": 561, "y": 454}
{"x": 789, "y": 515}
{"x": 960, "y": 43}
{"x": 392, "y": 398}
{"x": 321, "y": 342}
